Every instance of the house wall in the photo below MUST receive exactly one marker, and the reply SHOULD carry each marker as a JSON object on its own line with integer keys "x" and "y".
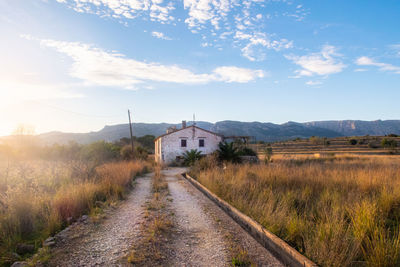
{"x": 171, "y": 143}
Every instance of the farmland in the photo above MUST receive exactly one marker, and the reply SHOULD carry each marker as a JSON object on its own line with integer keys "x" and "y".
{"x": 360, "y": 145}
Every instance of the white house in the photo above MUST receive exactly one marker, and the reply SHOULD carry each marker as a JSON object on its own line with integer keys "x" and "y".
{"x": 170, "y": 146}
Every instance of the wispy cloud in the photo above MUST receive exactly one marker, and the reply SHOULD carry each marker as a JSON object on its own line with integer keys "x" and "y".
{"x": 215, "y": 20}
{"x": 257, "y": 42}
{"x": 322, "y": 63}
{"x": 96, "y": 66}
{"x": 366, "y": 61}
{"x": 160, "y": 35}
{"x": 313, "y": 83}
{"x": 234, "y": 74}
{"x": 396, "y": 49}
{"x": 128, "y": 9}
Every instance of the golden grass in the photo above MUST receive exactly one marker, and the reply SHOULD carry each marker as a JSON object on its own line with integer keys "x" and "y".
{"x": 39, "y": 198}
{"x": 338, "y": 211}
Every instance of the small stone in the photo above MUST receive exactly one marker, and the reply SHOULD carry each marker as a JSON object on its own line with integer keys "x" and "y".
{"x": 49, "y": 239}
{"x": 19, "y": 264}
{"x": 22, "y": 249}
{"x": 49, "y": 244}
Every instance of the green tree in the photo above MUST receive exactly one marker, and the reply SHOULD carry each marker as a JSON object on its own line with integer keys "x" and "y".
{"x": 268, "y": 154}
{"x": 190, "y": 157}
{"x": 228, "y": 152}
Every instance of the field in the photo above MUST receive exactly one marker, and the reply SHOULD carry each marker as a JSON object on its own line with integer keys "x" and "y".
{"x": 360, "y": 145}
{"x": 341, "y": 210}
{"x": 40, "y": 197}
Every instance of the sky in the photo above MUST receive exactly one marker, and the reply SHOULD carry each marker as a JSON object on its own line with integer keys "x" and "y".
{"x": 77, "y": 65}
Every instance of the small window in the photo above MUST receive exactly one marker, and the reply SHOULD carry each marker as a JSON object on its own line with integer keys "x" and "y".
{"x": 201, "y": 142}
{"x": 183, "y": 142}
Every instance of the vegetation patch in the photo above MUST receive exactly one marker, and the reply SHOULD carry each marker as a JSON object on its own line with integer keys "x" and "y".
{"x": 44, "y": 189}
{"x": 337, "y": 212}
{"x": 156, "y": 230}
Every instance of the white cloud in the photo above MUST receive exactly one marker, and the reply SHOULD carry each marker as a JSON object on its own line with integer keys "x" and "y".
{"x": 160, "y": 35}
{"x": 128, "y": 9}
{"x": 313, "y": 83}
{"x": 360, "y": 70}
{"x": 322, "y": 63}
{"x": 257, "y": 42}
{"x": 366, "y": 61}
{"x": 203, "y": 11}
{"x": 208, "y": 18}
{"x": 98, "y": 67}
{"x": 239, "y": 75}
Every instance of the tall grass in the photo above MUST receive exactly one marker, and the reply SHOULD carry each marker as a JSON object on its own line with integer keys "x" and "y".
{"x": 338, "y": 211}
{"x": 39, "y": 198}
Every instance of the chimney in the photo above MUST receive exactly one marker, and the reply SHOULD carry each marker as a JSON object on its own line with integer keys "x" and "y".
{"x": 171, "y": 129}
{"x": 183, "y": 124}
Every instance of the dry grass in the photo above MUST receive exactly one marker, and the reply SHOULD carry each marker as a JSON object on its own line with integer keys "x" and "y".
{"x": 150, "y": 249}
{"x": 338, "y": 211}
{"x": 39, "y": 198}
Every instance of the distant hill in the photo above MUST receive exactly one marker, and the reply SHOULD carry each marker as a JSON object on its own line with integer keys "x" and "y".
{"x": 261, "y": 131}
{"x": 357, "y": 128}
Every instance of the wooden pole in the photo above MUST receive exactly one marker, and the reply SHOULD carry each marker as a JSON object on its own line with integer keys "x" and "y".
{"x": 130, "y": 128}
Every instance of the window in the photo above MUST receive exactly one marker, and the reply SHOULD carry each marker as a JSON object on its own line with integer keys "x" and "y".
{"x": 201, "y": 142}
{"x": 183, "y": 142}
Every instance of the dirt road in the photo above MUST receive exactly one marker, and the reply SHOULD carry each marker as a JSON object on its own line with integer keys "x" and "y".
{"x": 106, "y": 243}
{"x": 203, "y": 234}
{"x": 206, "y": 235}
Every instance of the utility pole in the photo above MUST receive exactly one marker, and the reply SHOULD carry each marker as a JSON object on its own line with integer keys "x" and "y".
{"x": 130, "y": 128}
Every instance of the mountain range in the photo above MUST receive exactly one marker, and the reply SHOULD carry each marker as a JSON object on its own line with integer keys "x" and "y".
{"x": 261, "y": 131}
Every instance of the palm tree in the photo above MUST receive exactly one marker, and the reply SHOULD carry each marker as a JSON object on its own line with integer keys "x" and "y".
{"x": 190, "y": 157}
{"x": 227, "y": 152}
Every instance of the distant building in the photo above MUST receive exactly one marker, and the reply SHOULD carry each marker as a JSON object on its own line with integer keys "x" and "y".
{"x": 170, "y": 147}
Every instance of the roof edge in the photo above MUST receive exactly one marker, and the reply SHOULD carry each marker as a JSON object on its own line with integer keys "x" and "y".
{"x": 186, "y": 128}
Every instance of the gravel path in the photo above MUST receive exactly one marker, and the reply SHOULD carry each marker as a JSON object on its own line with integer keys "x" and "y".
{"x": 104, "y": 244}
{"x": 205, "y": 234}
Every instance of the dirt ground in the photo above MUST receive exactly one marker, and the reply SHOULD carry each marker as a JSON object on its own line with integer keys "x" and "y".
{"x": 203, "y": 235}
{"x": 104, "y": 244}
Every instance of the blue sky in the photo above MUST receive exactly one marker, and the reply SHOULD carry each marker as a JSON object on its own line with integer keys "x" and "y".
{"x": 77, "y": 65}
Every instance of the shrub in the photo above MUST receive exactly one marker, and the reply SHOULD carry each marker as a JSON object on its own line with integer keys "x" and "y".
{"x": 388, "y": 143}
{"x": 353, "y": 142}
{"x": 246, "y": 151}
{"x": 190, "y": 157}
{"x": 228, "y": 152}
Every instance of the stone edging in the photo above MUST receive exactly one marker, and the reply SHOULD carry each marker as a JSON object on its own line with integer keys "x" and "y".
{"x": 287, "y": 254}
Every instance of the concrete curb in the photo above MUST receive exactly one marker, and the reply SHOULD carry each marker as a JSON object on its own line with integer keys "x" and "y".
{"x": 277, "y": 246}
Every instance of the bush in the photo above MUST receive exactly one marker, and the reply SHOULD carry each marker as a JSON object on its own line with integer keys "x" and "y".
{"x": 388, "y": 143}
{"x": 190, "y": 157}
{"x": 140, "y": 153}
{"x": 246, "y": 151}
{"x": 353, "y": 142}
{"x": 228, "y": 152}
